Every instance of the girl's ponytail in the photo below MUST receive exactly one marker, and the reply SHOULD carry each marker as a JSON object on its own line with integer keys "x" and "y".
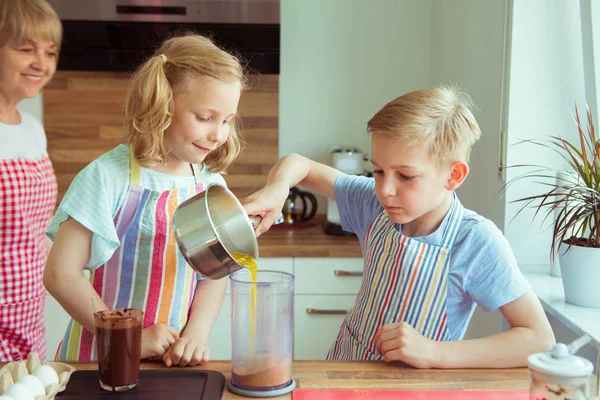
{"x": 149, "y": 110}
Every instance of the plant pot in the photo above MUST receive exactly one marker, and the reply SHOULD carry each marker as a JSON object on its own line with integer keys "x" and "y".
{"x": 580, "y": 270}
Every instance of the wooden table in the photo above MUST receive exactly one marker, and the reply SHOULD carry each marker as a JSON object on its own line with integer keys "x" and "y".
{"x": 377, "y": 375}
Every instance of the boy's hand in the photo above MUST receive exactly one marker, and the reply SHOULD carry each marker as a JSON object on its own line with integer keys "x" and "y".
{"x": 157, "y": 339}
{"x": 401, "y": 342}
{"x": 187, "y": 352}
{"x": 267, "y": 203}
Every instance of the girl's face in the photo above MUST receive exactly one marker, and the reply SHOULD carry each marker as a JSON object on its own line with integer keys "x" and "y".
{"x": 26, "y": 68}
{"x": 204, "y": 110}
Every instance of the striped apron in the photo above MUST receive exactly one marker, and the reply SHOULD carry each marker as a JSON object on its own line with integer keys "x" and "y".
{"x": 147, "y": 271}
{"x": 405, "y": 280}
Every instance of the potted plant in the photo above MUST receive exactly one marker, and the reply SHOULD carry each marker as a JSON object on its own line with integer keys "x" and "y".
{"x": 572, "y": 199}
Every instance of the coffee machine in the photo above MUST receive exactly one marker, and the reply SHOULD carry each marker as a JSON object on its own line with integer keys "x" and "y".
{"x": 348, "y": 160}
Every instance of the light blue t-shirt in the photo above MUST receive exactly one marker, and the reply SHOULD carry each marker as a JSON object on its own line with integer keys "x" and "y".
{"x": 483, "y": 270}
{"x": 100, "y": 189}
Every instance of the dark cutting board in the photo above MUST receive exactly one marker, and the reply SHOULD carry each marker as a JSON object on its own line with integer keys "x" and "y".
{"x": 168, "y": 384}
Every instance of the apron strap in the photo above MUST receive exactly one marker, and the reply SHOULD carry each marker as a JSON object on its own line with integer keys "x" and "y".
{"x": 134, "y": 170}
{"x": 135, "y": 176}
{"x": 197, "y": 170}
{"x": 457, "y": 212}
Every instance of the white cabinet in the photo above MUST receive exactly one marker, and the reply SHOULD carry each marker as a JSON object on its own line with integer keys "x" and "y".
{"x": 56, "y": 319}
{"x": 329, "y": 276}
{"x": 317, "y": 320}
{"x": 325, "y": 291}
{"x": 219, "y": 341}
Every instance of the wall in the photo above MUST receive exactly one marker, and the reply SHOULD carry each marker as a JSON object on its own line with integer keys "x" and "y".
{"x": 34, "y": 106}
{"x": 84, "y": 120}
{"x": 546, "y": 80}
{"x": 341, "y": 61}
{"x": 468, "y": 50}
{"x": 468, "y": 47}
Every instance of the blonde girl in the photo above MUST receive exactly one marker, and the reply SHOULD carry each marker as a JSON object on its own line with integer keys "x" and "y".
{"x": 116, "y": 218}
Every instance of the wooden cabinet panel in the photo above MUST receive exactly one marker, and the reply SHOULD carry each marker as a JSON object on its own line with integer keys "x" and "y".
{"x": 83, "y": 119}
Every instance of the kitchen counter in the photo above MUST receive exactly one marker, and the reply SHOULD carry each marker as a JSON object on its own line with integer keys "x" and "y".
{"x": 377, "y": 375}
{"x": 307, "y": 240}
{"x": 549, "y": 289}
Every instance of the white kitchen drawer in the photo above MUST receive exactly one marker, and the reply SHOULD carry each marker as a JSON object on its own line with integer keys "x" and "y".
{"x": 283, "y": 264}
{"x": 317, "y": 320}
{"x": 56, "y": 319}
{"x": 219, "y": 340}
{"x": 329, "y": 275}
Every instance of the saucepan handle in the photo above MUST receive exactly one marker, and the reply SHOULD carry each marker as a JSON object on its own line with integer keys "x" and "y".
{"x": 255, "y": 220}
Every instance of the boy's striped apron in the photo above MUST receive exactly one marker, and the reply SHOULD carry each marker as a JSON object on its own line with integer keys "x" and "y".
{"x": 405, "y": 280}
{"x": 147, "y": 271}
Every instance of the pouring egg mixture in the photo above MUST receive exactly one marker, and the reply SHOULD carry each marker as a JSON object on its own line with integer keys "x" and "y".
{"x": 252, "y": 265}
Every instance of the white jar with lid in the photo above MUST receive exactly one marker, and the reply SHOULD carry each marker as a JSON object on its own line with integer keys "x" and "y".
{"x": 556, "y": 374}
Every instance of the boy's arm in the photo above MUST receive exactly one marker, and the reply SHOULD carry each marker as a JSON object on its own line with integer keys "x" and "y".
{"x": 63, "y": 275}
{"x": 295, "y": 169}
{"x": 289, "y": 171}
{"x": 530, "y": 333}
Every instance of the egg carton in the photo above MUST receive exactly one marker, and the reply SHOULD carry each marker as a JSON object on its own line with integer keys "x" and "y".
{"x": 11, "y": 372}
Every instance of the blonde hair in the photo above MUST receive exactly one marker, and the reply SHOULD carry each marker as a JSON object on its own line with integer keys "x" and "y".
{"x": 149, "y": 107}
{"x": 439, "y": 117}
{"x": 21, "y": 20}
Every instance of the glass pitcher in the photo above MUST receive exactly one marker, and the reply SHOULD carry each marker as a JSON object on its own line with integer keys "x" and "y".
{"x": 262, "y": 332}
{"x": 559, "y": 374}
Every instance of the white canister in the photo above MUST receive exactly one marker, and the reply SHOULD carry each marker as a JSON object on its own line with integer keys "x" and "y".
{"x": 556, "y": 374}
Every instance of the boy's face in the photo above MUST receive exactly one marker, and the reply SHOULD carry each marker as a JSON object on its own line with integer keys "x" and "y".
{"x": 26, "y": 68}
{"x": 408, "y": 183}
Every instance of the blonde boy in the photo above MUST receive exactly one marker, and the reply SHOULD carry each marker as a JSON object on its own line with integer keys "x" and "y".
{"x": 428, "y": 261}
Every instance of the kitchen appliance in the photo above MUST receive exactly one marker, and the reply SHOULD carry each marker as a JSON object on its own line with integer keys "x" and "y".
{"x": 117, "y": 35}
{"x": 209, "y": 227}
{"x": 262, "y": 333}
{"x": 348, "y": 160}
{"x": 291, "y": 213}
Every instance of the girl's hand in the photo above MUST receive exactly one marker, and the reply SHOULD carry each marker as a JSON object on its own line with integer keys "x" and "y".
{"x": 266, "y": 203}
{"x": 157, "y": 339}
{"x": 187, "y": 352}
{"x": 401, "y": 342}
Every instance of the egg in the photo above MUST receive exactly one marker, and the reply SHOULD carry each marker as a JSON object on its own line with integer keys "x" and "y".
{"x": 47, "y": 375}
{"x": 34, "y": 383}
{"x": 18, "y": 391}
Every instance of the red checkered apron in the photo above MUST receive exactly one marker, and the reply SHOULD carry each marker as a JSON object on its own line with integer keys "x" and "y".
{"x": 27, "y": 199}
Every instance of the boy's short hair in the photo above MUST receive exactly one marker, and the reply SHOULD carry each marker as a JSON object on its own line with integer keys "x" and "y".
{"x": 439, "y": 117}
{"x": 21, "y": 20}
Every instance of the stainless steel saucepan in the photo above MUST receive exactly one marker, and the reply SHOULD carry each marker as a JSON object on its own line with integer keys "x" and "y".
{"x": 209, "y": 227}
